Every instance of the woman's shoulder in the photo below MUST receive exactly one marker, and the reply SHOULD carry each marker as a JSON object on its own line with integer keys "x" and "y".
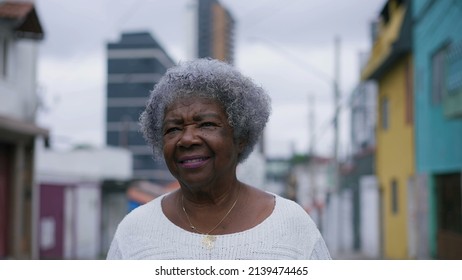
{"x": 281, "y": 207}
{"x": 288, "y": 204}
{"x": 291, "y": 212}
{"x": 142, "y": 215}
{"x": 283, "y": 203}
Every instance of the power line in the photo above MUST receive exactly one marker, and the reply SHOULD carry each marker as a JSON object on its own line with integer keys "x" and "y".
{"x": 295, "y": 60}
{"x": 262, "y": 17}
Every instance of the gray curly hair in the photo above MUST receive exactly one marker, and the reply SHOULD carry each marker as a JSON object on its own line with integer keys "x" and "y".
{"x": 247, "y": 105}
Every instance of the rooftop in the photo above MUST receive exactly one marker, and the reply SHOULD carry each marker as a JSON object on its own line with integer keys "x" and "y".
{"x": 22, "y": 18}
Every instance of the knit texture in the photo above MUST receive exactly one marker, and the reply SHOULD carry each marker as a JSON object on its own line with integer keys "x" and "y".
{"x": 288, "y": 233}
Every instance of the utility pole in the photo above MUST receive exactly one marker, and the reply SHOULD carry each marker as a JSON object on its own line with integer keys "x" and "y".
{"x": 336, "y": 142}
{"x": 337, "y": 110}
{"x": 311, "y": 123}
{"x": 312, "y": 161}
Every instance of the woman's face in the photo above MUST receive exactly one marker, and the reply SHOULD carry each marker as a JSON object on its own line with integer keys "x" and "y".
{"x": 198, "y": 143}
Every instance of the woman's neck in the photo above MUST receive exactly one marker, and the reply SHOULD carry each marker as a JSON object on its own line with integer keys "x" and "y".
{"x": 211, "y": 196}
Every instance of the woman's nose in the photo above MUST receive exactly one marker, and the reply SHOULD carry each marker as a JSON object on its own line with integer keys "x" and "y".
{"x": 189, "y": 136}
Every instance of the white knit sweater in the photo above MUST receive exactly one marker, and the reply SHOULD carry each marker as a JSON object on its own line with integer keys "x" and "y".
{"x": 288, "y": 233}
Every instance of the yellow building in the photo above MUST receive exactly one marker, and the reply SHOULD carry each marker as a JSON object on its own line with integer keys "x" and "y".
{"x": 391, "y": 66}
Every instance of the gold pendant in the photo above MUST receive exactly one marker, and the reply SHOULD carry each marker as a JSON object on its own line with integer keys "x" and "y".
{"x": 209, "y": 241}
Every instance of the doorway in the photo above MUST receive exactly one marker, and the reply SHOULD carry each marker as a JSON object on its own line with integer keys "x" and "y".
{"x": 449, "y": 216}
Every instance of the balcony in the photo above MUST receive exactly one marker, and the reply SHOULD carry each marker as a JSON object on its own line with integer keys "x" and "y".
{"x": 392, "y": 39}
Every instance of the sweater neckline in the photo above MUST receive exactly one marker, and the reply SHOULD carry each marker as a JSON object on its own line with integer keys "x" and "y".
{"x": 257, "y": 227}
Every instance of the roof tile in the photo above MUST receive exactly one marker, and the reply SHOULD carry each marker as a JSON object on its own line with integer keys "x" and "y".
{"x": 16, "y": 10}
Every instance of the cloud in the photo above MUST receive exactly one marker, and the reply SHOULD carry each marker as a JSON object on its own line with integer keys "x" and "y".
{"x": 74, "y": 94}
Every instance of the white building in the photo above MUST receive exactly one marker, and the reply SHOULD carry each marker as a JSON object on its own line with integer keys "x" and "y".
{"x": 75, "y": 219}
{"x": 311, "y": 178}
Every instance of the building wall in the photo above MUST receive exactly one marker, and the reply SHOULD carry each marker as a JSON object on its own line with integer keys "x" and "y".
{"x": 438, "y": 138}
{"x": 369, "y": 217}
{"x": 363, "y": 116}
{"x": 87, "y": 220}
{"x": 5, "y": 182}
{"x": 215, "y": 31}
{"x": 18, "y": 86}
{"x": 51, "y": 221}
{"x": 362, "y": 165}
{"x": 78, "y": 227}
{"x": 69, "y": 219}
{"x": 361, "y": 162}
{"x": 395, "y": 158}
{"x": 91, "y": 163}
{"x": 115, "y": 207}
{"x": 18, "y": 104}
{"x": 219, "y": 49}
{"x": 222, "y": 34}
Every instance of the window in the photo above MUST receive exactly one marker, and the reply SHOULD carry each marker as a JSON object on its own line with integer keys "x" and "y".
{"x": 438, "y": 75}
{"x": 394, "y": 197}
{"x": 125, "y": 138}
{"x": 135, "y": 65}
{"x": 449, "y": 203}
{"x": 409, "y": 93}
{"x": 385, "y": 113}
{"x": 454, "y": 69}
{"x": 3, "y": 57}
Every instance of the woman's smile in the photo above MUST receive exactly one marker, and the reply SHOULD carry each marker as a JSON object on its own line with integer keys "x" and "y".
{"x": 193, "y": 162}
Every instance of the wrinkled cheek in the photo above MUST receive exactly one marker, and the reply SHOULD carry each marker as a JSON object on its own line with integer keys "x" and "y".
{"x": 173, "y": 169}
{"x": 168, "y": 158}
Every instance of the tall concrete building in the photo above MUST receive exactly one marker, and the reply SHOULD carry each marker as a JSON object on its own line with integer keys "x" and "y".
{"x": 212, "y": 30}
{"x": 134, "y": 65}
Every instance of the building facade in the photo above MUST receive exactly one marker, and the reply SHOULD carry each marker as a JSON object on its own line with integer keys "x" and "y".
{"x": 391, "y": 66}
{"x": 360, "y": 165}
{"x": 438, "y": 104}
{"x": 363, "y": 113}
{"x": 134, "y": 65}
{"x": 20, "y": 33}
{"x": 76, "y": 215}
{"x": 212, "y": 30}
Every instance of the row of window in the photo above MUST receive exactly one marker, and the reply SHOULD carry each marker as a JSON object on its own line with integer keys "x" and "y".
{"x": 134, "y": 65}
{"x": 3, "y": 57}
{"x": 147, "y": 162}
{"x": 125, "y": 138}
{"x": 129, "y": 89}
{"x": 123, "y": 114}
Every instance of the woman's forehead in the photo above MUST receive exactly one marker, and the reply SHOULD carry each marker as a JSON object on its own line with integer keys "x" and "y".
{"x": 194, "y": 107}
{"x": 189, "y": 101}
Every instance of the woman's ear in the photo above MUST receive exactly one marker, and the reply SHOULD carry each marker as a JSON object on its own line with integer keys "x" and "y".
{"x": 241, "y": 143}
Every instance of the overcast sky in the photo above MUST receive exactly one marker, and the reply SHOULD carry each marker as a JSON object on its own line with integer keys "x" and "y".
{"x": 287, "y": 46}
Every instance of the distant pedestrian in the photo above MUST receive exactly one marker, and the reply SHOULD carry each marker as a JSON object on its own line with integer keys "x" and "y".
{"x": 204, "y": 118}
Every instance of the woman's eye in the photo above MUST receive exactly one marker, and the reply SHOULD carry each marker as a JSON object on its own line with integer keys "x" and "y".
{"x": 207, "y": 124}
{"x": 171, "y": 129}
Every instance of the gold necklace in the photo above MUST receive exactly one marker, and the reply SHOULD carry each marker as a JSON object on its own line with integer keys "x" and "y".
{"x": 208, "y": 240}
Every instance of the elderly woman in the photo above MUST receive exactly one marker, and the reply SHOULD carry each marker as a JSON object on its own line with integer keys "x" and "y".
{"x": 204, "y": 118}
